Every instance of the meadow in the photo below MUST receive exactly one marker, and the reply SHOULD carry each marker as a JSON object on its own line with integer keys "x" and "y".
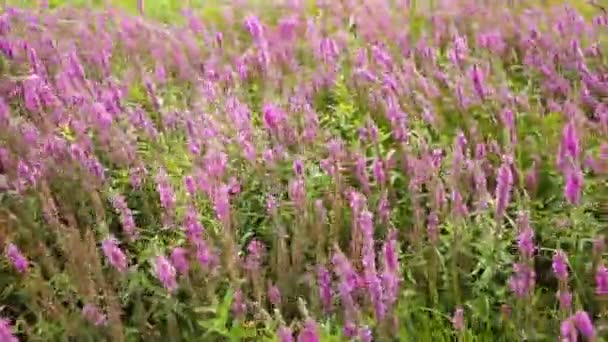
{"x": 356, "y": 170}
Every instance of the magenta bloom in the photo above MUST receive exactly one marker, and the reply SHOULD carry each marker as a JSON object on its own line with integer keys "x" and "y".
{"x": 94, "y": 315}
{"x": 565, "y": 299}
{"x": 239, "y": 307}
{"x": 256, "y": 251}
{"x": 116, "y": 257}
{"x": 274, "y": 295}
{"x": 583, "y": 323}
{"x": 504, "y": 184}
{"x": 16, "y": 258}
{"x": 179, "y": 259}
{"x": 568, "y": 332}
{"x": 458, "y": 319}
{"x": 309, "y": 332}
{"x": 523, "y": 280}
{"x": 165, "y": 272}
{"x": 6, "y": 333}
{"x": 324, "y": 284}
{"x": 601, "y": 280}
{"x": 560, "y": 266}
{"x": 574, "y": 185}
{"x": 285, "y": 334}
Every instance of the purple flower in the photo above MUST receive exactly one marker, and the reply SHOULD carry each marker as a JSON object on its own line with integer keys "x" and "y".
{"x": 114, "y": 254}
{"x": 179, "y": 259}
{"x": 477, "y": 76}
{"x": 298, "y": 167}
{"x": 370, "y": 274}
{"x": 239, "y": 307}
{"x": 568, "y": 332}
{"x": 165, "y": 191}
{"x": 523, "y": 280}
{"x": 309, "y": 332}
{"x": 379, "y": 173}
{"x": 297, "y": 192}
{"x": 583, "y": 323}
{"x": 349, "y": 280}
{"x": 6, "y": 331}
{"x": 165, "y": 272}
{"x": 560, "y": 266}
{"x": 565, "y": 299}
{"x": 273, "y": 116}
{"x": 574, "y": 185}
{"x": 525, "y": 239}
{"x": 601, "y": 280}
{"x": 274, "y": 295}
{"x": 285, "y": 334}
{"x": 94, "y": 315}
{"x": 504, "y": 183}
{"x": 570, "y": 144}
{"x": 16, "y": 258}
{"x": 390, "y": 272}
{"x": 324, "y": 284}
{"x": 458, "y": 319}
{"x": 365, "y": 334}
{"x": 256, "y": 251}
{"x": 126, "y": 216}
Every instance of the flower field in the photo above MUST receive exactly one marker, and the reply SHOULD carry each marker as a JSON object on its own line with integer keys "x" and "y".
{"x": 357, "y": 170}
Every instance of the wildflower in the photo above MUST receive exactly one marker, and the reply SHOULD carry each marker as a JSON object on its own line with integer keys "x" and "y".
{"x": 349, "y": 280}
{"x": 254, "y": 27}
{"x": 478, "y": 78}
{"x": 167, "y": 196}
{"x": 204, "y": 254}
{"x": 523, "y": 280}
{"x": 570, "y": 144}
{"x": 297, "y": 192}
{"x": 565, "y": 299}
{"x": 324, "y": 284}
{"x": 165, "y": 272}
{"x": 239, "y": 307}
{"x": 504, "y": 183}
{"x": 583, "y": 323}
{"x": 574, "y": 185}
{"x": 114, "y": 254}
{"x": 390, "y": 269}
{"x": 179, "y": 259}
{"x": 285, "y": 334}
{"x": 298, "y": 167}
{"x": 458, "y": 319}
{"x": 256, "y": 251}
{"x": 601, "y": 280}
{"x": 16, "y": 258}
{"x": 365, "y": 334}
{"x": 126, "y": 216}
{"x": 379, "y": 173}
{"x": 369, "y": 264}
{"x": 273, "y": 116}
{"x": 274, "y": 295}
{"x": 568, "y": 332}
{"x": 94, "y": 315}
{"x": 190, "y": 184}
{"x": 309, "y": 332}
{"x": 6, "y": 334}
{"x": 525, "y": 239}
{"x": 560, "y": 266}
